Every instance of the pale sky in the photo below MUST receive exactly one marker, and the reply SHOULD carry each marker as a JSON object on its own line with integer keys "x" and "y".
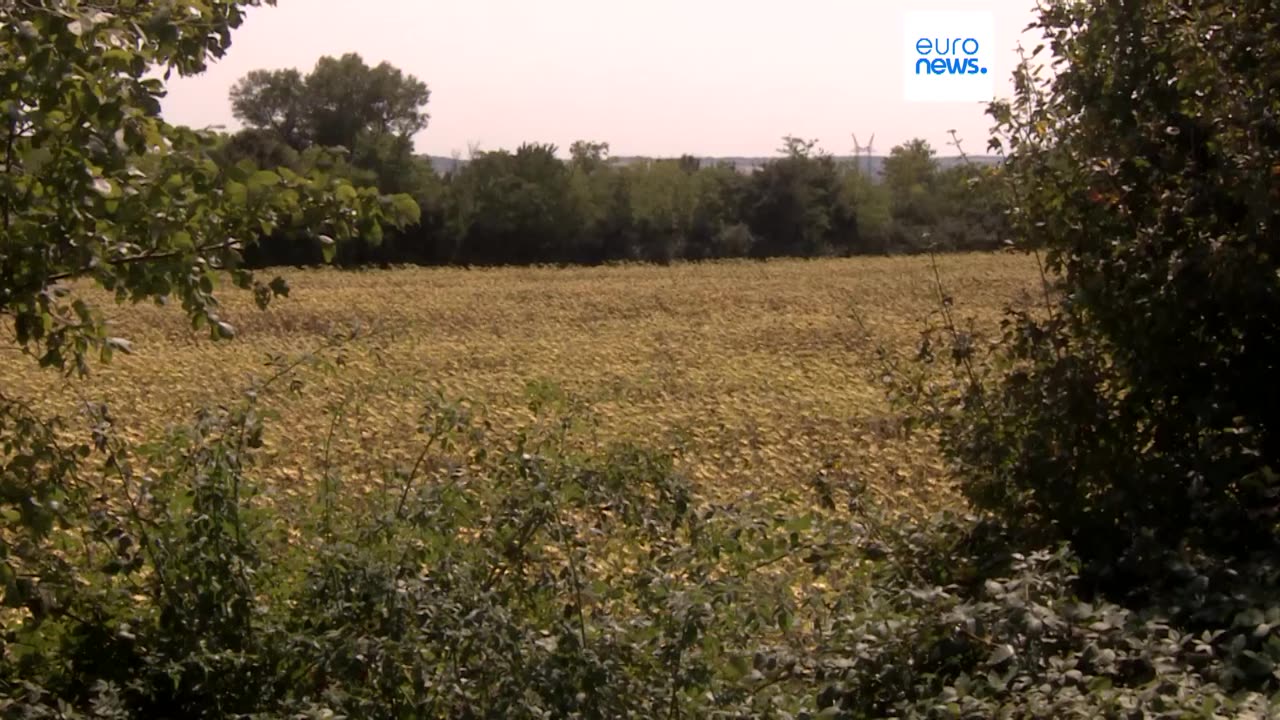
{"x": 656, "y": 78}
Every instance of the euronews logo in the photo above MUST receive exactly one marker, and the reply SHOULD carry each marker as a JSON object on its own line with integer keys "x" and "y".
{"x": 948, "y": 56}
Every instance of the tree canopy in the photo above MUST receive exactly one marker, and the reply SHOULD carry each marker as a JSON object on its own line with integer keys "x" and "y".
{"x": 338, "y": 104}
{"x": 97, "y": 186}
{"x": 274, "y": 101}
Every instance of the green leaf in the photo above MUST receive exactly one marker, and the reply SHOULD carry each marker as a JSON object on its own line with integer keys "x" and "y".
{"x": 405, "y": 210}
{"x": 237, "y": 194}
{"x": 263, "y": 179}
{"x": 345, "y": 193}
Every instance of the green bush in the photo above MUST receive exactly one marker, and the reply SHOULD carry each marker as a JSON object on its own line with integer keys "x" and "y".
{"x": 946, "y": 639}
{"x": 542, "y": 581}
{"x": 1134, "y": 411}
{"x": 529, "y": 582}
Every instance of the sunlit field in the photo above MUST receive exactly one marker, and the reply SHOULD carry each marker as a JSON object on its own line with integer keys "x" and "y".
{"x": 754, "y": 375}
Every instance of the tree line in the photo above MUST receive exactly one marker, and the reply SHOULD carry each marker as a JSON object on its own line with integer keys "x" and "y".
{"x": 355, "y": 122}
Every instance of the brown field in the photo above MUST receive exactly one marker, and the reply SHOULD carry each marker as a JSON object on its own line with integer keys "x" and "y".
{"x": 754, "y": 374}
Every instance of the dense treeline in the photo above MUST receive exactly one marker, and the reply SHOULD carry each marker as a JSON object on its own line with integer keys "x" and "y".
{"x": 357, "y": 122}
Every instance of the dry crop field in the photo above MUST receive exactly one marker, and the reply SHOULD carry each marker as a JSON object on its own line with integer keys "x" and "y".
{"x": 754, "y": 375}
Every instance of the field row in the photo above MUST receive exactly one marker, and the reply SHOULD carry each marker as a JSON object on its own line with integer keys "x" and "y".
{"x": 755, "y": 374}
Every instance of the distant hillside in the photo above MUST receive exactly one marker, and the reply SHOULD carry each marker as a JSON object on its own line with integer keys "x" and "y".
{"x": 748, "y": 164}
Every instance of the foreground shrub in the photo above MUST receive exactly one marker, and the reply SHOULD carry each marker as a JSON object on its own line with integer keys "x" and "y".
{"x": 1131, "y": 409}
{"x": 528, "y": 582}
{"x": 539, "y": 582}
{"x": 1020, "y": 644}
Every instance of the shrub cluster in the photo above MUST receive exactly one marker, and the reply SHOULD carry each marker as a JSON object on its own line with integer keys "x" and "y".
{"x": 541, "y": 582}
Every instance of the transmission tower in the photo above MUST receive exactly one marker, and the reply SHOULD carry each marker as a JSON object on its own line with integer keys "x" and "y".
{"x": 869, "y": 147}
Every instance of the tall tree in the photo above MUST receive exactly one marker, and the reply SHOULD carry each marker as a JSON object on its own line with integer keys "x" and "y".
{"x": 911, "y": 173}
{"x": 797, "y": 205}
{"x": 517, "y": 207}
{"x": 341, "y": 100}
{"x": 346, "y": 98}
{"x": 587, "y": 155}
{"x": 274, "y": 100}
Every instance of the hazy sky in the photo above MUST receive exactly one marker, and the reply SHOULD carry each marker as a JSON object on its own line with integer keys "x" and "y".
{"x": 658, "y": 77}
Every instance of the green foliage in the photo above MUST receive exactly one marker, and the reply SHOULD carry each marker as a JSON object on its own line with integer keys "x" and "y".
{"x": 802, "y": 204}
{"x": 96, "y": 185}
{"x": 538, "y": 581}
{"x": 347, "y": 120}
{"x": 38, "y": 474}
{"x": 346, "y": 98}
{"x": 1133, "y": 412}
{"x": 534, "y": 581}
{"x": 341, "y": 101}
{"x": 1125, "y": 409}
{"x": 797, "y": 206}
{"x": 358, "y": 123}
{"x": 872, "y": 206}
{"x": 588, "y": 156}
{"x": 957, "y": 633}
{"x": 974, "y": 213}
{"x": 662, "y": 207}
{"x": 519, "y": 205}
{"x": 911, "y": 173}
{"x": 274, "y": 102}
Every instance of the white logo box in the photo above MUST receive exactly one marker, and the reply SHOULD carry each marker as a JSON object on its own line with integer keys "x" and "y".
{"x": 946, "y": 36}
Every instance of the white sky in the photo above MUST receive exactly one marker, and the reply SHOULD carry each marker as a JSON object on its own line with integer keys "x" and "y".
{"x": 651, "y": 77}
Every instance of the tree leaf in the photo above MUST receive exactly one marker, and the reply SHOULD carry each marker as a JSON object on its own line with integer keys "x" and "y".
{"x": 263, "y": 179}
